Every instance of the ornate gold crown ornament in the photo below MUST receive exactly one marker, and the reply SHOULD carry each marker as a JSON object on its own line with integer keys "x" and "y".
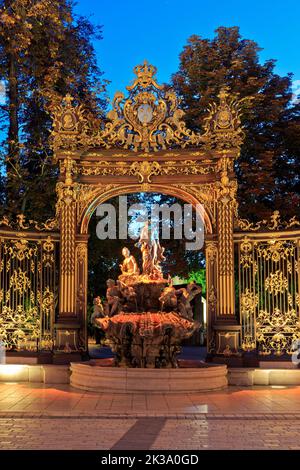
{"x": 145, "y": 77}
{"x": 148, "y": 120}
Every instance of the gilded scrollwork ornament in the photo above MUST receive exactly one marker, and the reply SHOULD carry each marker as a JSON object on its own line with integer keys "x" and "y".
{"x": 87, "y": 193}
{"x": 122, "y": 168}
{"x": 148, "y": 120}
{"x": 21, "y": 224}
{"x": 269, "y": 294}
{"x": 205, "y": 194}
{"x": 27, "y": 288}
{"x": 145, "y": 170}
{"x": 274, "y": 223}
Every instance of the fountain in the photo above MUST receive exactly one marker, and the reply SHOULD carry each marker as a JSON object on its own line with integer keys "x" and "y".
{"x": 145, "y": 319}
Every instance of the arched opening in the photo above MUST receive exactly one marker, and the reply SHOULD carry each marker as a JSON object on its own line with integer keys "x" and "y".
{"x": 182, "y": 265}
{"x": 103, "y": 196}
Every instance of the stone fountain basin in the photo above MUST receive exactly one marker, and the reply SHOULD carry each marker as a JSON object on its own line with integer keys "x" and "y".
{"x": 93, "y": 377}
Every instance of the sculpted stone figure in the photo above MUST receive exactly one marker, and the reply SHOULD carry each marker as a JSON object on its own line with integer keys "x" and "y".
{"x": 186, "y": 295}
{"x": 129, "y": 267}
{"x": 152, "y": 254}
{"x": 157, "y": 253}
{"x": 129, "y": 297}
{"x": 146, "y": 257}
{"x": 98, "y": 309}
{"x": 113, "y": 298}
{"x": 168, "y": 298}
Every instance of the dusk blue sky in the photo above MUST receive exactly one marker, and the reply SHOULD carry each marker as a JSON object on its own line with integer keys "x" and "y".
{"x": 157, "y": 30}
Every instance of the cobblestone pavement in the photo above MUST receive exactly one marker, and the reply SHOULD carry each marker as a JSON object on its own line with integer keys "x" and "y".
{"x": 83, "y": 433}
{"x": 38, "y": 416}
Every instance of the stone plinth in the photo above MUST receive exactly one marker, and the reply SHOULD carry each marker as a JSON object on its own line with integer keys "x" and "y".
{"x": 249, "y": 377}
{"x": 138, "y": 380}
{"x": 35, "y": 373}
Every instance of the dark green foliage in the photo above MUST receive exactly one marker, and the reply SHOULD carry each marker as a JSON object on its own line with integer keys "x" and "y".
{"x": 269, "y": 166}
{"x": 45, "y": 52}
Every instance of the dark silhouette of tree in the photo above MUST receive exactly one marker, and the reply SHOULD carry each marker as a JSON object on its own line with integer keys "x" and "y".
{"x": 45, "y": 52}
{"x": 269, "y": 165}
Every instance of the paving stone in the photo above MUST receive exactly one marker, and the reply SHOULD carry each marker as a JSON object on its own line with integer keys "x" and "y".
{"x": 39, "y": 416}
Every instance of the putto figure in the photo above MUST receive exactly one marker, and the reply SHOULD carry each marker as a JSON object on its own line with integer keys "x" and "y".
{"x": 98, "y": 309}
{"x": 168, "y": 298}
{"x": 113, "y": 298}
{"x": 185, "y": 297}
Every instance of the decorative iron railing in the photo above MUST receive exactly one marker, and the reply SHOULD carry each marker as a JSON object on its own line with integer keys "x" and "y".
{"x": 269, "y": 291}
{"x": 28, "y": 290}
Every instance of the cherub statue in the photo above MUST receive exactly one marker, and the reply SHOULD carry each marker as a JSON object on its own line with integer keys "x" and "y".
{"x": 113, "y": 298}
{"x": 129, "y": 295}
{"x": 98, "y": 309}
{"x": 168, "y": 298}
{"x": 186, "y": 295}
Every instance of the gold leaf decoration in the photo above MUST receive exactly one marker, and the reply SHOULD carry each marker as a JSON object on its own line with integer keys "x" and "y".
{"x": 148, "y": 120}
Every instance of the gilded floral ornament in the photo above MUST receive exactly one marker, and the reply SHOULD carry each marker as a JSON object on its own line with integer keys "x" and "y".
{"x": 276, "y": 282}
{"x": 20, "y": 281}
{"x": 269, "y": 293}
{"x": 167, "y": 167}
{"x": 276, "y": 331}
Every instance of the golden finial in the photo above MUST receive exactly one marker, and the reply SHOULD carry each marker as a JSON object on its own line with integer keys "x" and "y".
{"x": 224, "y": 93}
{"x": 145, "y": 73}
{"x": 68, "y": 99}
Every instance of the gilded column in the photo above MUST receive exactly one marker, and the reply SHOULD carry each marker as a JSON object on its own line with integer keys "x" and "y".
{"x": 67, "y": 215}
{"x": 226, "y": 209}
{"x": 81, "y": 288}
{"x": 211, "y": 255}
{"x": 226, "y": 329}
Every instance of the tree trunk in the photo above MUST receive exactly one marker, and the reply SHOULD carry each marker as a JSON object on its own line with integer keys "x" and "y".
{"x": 13, "y": 136}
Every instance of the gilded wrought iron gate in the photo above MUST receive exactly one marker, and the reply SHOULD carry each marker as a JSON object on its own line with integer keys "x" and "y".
{"x": 269, "y": 286}
{"x": 28, "y": 291}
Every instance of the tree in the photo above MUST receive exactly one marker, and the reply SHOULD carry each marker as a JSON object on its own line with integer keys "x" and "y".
{"x": 52, "y": 54}
{"x": 269, "y": 157}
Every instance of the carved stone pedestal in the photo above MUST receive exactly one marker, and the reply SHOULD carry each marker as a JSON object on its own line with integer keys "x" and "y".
{"x": 227, "y": 340}
{"x": 67, "y": 343}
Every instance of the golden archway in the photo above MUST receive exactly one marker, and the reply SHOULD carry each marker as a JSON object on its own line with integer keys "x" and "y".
{"x": 163, "y": 189}
{"x": 145, "y": 146}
